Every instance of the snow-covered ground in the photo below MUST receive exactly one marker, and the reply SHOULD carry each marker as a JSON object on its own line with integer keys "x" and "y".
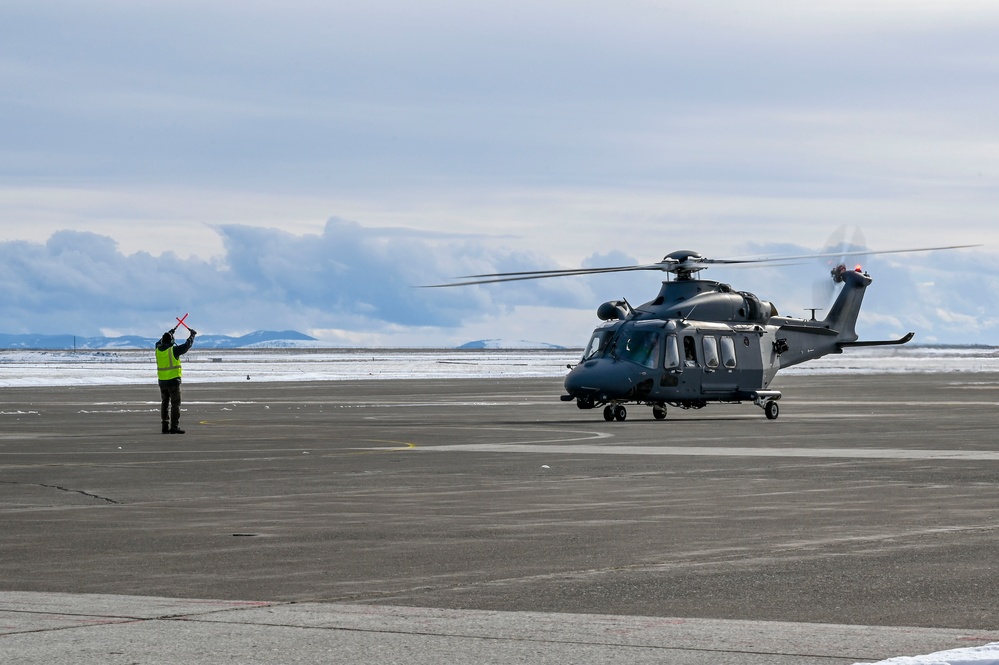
{"x": 64, "y": 368}
{"x": 983, "y": 655}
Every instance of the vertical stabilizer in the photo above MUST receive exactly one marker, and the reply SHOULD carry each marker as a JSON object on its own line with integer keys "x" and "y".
{"x": 843, "y": 314}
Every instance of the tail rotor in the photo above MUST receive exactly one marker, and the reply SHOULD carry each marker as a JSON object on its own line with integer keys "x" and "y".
{"x": 835, "y": 261}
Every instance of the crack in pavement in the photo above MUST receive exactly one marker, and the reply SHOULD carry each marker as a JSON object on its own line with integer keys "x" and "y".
{"x": 66, "y": 489}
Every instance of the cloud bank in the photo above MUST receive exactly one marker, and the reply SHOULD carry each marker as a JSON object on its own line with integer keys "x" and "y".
{"x": 347, "y": 280}
{"x": 359, "y": 286}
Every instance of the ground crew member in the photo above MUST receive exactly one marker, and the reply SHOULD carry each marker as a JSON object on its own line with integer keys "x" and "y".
{"x": 168, "y": 372}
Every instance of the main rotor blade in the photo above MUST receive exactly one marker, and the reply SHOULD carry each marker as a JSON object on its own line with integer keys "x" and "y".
{"x": 553, "y": 273}
{"x": 668, "y": 266}
{"x": 493, "y": 278}
{"x": 861, "y": 252}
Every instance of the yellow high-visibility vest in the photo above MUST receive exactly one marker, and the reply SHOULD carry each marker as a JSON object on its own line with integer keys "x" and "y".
{"x": 167, "y": 364}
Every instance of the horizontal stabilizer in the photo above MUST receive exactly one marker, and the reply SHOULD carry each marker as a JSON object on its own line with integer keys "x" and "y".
{"x": 887, "y": 342}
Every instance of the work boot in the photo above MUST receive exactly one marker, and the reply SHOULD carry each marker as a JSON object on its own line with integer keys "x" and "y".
{"x": 166, "y": 428}
{"x": 176, "y": 430}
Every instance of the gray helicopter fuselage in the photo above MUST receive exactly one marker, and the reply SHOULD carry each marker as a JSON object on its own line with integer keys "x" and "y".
{"x": 700, "y": 341}
{"x": 674, "y": 360}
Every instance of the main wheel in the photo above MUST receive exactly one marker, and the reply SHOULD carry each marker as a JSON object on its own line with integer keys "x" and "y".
{"x": 659, "y": 412}
{"x": 608, "y": 413}
{"x": 620, "y": 413}
{"x": 772, "y": 410}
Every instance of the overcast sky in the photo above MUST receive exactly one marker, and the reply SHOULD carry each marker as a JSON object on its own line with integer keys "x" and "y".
{"x": 302, "y": 165}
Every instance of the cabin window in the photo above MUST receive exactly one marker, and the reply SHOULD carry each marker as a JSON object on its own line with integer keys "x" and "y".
{"x": 639, "y": 346}
{"x": 672, "y": 352}
{"x": 728, "y": 352}
{"x": 710, "y": 346}
{"x": 689, "y": 351}
{"x": 597, "y": 345}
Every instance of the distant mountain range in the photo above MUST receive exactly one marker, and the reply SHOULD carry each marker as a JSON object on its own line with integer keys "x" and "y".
{"x": 261, "y": 339}
{"x": 508, "y": 344}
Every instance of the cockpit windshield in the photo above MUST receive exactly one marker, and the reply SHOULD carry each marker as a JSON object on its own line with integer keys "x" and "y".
{"x": 598, "y": 343}
{"x": 638, "y": 346}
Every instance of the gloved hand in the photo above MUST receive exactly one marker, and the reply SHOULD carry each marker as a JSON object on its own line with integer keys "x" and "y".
{"x": 173, "y": 330}
{"x": 192, "y": 331}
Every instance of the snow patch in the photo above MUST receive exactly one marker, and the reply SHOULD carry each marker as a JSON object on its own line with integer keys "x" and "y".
{"x": 987, "y": 654}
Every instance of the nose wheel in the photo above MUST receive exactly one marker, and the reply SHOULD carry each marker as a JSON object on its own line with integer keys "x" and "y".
{"x": 615, "y": 412}
{"x": 772, "y": 409}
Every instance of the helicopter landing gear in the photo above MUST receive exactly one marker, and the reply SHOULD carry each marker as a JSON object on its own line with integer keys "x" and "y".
{"x": 659, "y": 412}
{"x": 615, "y": 412}
{"x": 767, "y": 400}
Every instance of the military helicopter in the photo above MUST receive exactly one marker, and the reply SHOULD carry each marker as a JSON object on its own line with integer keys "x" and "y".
{"x": 700, "y": 341}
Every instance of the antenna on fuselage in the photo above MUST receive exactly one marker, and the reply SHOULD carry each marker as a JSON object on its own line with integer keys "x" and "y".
{"x": 689, "y": 313}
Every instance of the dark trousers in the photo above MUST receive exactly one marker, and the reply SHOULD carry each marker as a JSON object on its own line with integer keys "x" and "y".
{"x": 170, "y": 402}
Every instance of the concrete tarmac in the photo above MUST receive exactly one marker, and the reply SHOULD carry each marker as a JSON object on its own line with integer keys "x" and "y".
{"x": 459, "y": 521}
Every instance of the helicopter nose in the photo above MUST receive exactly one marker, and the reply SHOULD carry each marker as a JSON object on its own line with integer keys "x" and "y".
{"x": 600, "y": 379}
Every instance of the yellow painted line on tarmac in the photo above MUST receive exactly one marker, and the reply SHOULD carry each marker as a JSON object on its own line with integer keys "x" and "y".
{"x": 406, "y": 445}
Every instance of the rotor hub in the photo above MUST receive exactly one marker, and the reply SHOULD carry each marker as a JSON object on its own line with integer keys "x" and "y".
{"x": 684, "y": 263}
